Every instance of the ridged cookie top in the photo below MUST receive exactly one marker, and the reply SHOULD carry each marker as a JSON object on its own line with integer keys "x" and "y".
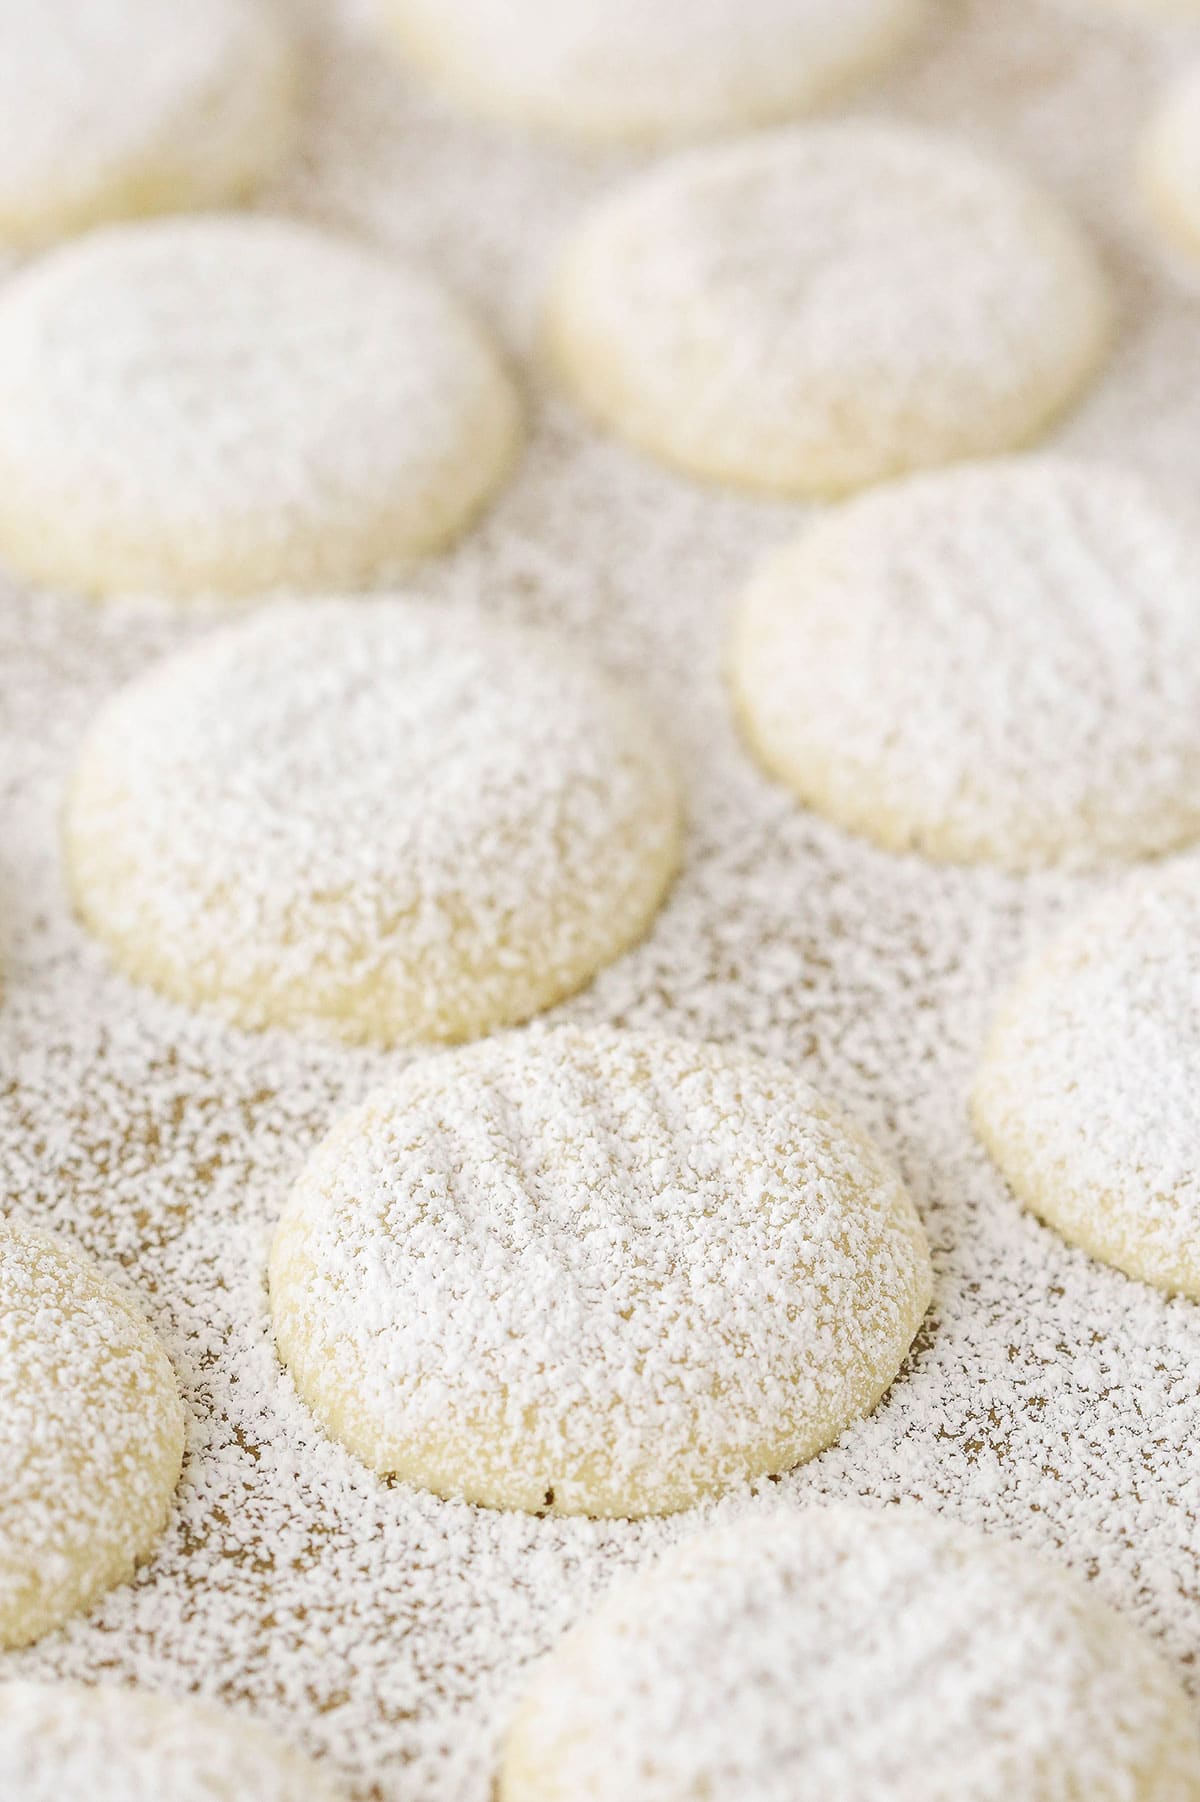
{"x": 64, "y": 1741}
{"x": 839, "y": 1653}
{"x": 395, "y": 820}
{"x": 994, "y": 664}
{"x": 594, "y": 1272}
{"x": 1086, "y": 1096}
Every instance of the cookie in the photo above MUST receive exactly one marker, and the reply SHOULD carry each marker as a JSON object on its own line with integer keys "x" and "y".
{"x": 125, "y": 1745}
{"x": 1170, "y": 168}
{"x": 812, "y": 310}
{"x": 225, "y": 405}
{"x": 998, "y": 663}
{"x": 838, "y": 1652}
{"x": 1085, "y": 1094}
{"x": 623, "y": 71}
{"x": 386, "y": 820}
{"x": 594, "y": 1272}
{"x": 115, "y": 108}
{"x": 91, "y": 1435}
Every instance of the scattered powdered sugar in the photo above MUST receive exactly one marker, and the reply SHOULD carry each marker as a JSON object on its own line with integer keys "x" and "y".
{"x": 996, "y": 662}
{"x": 392, "y": 818}
{"x": 1049, "y": 1397}
{"x": 628, "y": 69}
{"x": 136, "y": 106}
{"x": 91, "y": 1434}
{"x": 594, "y": 1272}
{"x": 232, "y": 403}
{"x": 118, "y": 1745}
{"x": 853, "y": 1656}
{"x": 1087, "y": 1095}
{"x": 809, "y": 310}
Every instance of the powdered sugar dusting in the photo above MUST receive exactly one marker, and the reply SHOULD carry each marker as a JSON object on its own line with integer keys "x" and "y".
{"x": 1000, "y": 662}
{"x": 393, "y": 819}
{"x": 233, "y": 404}
{"x": 840, "y": 1653}
{"x": 110, "y": 107}
{"x": 113, "y": 1745}
{"x": 1049, "y": 1397}
{"x": 601, "y": 1273}
{"x": 1087, "y": 1091}
{"x": 91, "y": 1435}
{"x": 810, "y": 310}
{"x": 625, "y": 69}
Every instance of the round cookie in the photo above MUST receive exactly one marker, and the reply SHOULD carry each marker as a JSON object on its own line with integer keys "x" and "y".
{"x": 842, "y": 1653}
{"x": 594, "y": 1272}
{"x": 999, "y": 663}
{"x": 1170, "y": 167}
{"x": 112, "y": 108}
{"x": 64, "y": 1740}
{"x": 621, "y": 70}
{"x": 1085, "y": 1096}
{"x": 388, "y": 819}
{"x": 813, "y": 310}
{"x": 91, "y": 1435}
{"x": 228, "y": 405}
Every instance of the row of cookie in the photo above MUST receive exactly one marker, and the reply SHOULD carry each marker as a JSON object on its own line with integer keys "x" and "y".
{"x": 608, "y": 1273}
{"x": 128, "y": 110}
{"x": 239, "y": 404}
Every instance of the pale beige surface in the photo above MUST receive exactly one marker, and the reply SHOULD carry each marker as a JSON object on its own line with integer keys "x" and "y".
{"x": 1048, "y": 1397}
{"x": 91, "y": 1435}
{"x": 1170, "y": 167}
{"x": 595, "y": 1273}
{"x": 851, "y": 1654}
{"x": 998, "y": 663}
{"x": 640, "y": 72}
{"x": 124, "y": 1745}
{"x": 114, "y": 108}
{"x": 228, "y": 404}
{"x": 1085, "y": 1093}
{"x": 812, "y": 310}
{"x": 413, "y": 824}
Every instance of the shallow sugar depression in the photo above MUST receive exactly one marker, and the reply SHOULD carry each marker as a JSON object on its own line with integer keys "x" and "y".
{"x": 1049, "y": 1397}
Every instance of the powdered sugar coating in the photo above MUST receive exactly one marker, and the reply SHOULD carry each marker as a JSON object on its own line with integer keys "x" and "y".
{"x": 236, "y": 404}
{"x": 110, "y": 108}
{"x": 838, "y": 1653}
{"x": 1170, "y": 166}
{"x": 120, "y": 1745}
{"x": 813, "y": 310}
{"x": 1086, "y": 1093}
{"x": 91, "y": 1435}
{"x": 1050, "y": 1399}
{"x": 388, "y": 819}
{"x": 596, "y": 1273}
{"x": 997, "y": 663}
{"x": 629, "y": 70}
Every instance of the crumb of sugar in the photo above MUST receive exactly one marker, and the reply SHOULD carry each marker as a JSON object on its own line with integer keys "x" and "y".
{"x": 1049, "y": 1398}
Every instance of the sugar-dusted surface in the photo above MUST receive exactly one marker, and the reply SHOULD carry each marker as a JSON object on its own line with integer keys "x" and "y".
{"x": 859, "y": 1656}
{"x": 998, "y": 663}
{"x": 392, "y": 819}
{"x": 595, "y": 1272}
{"x": 1087, "y": 1091}
{"x": 114, "y": 1744}
{"x": 1049, "y": 1397}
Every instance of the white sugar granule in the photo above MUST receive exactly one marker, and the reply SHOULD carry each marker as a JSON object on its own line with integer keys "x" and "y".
{"x": 1049, "y": 1397}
